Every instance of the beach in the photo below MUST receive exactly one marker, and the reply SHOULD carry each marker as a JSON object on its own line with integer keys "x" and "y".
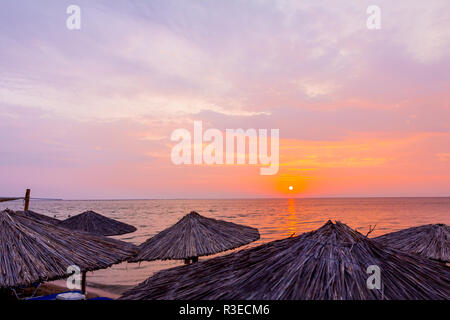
{"x": 59, "y": 286}
{"x": 92, "y": 290}
{"x": 274, "y": 218}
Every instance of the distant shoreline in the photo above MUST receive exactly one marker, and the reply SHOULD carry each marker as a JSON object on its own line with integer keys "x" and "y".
{"x": 262, "y": 198}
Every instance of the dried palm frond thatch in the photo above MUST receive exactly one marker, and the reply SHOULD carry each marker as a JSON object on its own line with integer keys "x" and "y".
{"x": 329, "y": 263}
{"x": 95, "y": 223}
{"x": 194, "y": 236}
{"x": 430, "y": 241}
{"x": 35, "y": 251}
{"x": 39, "y": 216}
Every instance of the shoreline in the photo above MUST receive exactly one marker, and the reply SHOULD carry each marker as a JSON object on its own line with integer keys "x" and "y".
{"x": 92, "y": 290}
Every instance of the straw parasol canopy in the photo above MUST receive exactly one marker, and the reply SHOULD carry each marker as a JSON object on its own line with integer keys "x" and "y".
{"x": 329, "y": 263}
{"x": 95, "y": 223}
{"x": 39, "y": 216}
{"x": 430, "y": 241}
{"x": 194, "y": 236}
{"x": 35, "y": 251}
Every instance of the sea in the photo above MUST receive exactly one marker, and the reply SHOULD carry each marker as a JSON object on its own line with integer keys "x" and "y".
{"x": 274, "y": 218}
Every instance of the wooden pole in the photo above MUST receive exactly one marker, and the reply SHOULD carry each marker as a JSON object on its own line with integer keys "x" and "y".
{"x": 27, "y": 200}
{"x": 83, "y": 283}
{"x": 194, "y": 259}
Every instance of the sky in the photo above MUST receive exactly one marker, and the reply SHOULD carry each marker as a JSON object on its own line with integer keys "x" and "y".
{"x": 89, "y": 113}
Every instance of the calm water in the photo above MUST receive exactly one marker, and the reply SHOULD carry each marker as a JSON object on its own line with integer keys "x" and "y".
{"x": 275, "y": 219}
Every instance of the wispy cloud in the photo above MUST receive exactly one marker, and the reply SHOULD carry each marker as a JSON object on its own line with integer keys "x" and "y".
{"x": 107, "y": 97}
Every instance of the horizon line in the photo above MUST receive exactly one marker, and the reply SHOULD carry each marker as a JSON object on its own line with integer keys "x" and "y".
{"x": 231, "y": 198}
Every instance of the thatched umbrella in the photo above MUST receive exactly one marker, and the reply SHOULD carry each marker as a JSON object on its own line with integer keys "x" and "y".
{"x": 39, "y": 216}
{"x": 430, "y": 241}
{"x": 194, "y": 236}
{"x": 35, "y": 251}
{"x": 329, "y": 263}
{"x": 95, "y": 223}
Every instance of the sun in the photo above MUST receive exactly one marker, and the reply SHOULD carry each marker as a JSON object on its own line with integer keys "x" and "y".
{"x": 290, "y": 184}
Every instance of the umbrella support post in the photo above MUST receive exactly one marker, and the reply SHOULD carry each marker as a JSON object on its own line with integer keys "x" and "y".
{"x": 83, "y": 283}
{"x": 194, "y": 259}
{"x": 27, "y": 200}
